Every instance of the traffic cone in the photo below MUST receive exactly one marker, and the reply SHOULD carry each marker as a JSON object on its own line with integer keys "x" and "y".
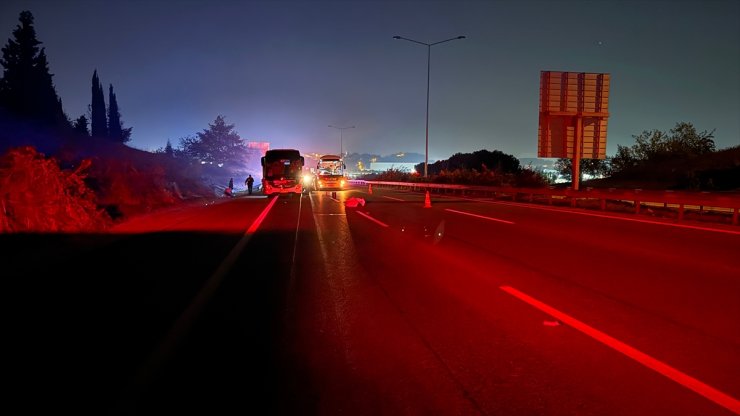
{"x": 370, "y": 188}
{"x": 427, "y": 201}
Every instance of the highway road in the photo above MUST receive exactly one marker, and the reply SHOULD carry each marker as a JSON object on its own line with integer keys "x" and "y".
{"x": 307, "y": 305}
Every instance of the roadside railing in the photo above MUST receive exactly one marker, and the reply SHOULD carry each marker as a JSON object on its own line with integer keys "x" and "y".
{"x": 681, "y": 205}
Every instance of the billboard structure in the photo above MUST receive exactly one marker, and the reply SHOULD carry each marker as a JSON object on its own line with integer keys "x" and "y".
{"x": 574, "y": 107}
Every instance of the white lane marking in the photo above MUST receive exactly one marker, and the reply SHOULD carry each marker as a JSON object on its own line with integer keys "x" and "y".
{"x": 478, "y": 216}
{"x": 373, "y": 219}
{"x": 684, "y": 379}
{"x": 569, "y": 211}
{"x": 395, "y": 199}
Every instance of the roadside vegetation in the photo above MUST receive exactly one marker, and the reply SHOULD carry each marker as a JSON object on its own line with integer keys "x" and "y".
{"x": 680, "y": 159}
{"x": 59, "y": 174}
{"x": 482, "y": 167}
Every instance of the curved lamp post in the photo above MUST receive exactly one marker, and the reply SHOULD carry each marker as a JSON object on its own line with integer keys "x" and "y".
{"x": 429, "y": 53}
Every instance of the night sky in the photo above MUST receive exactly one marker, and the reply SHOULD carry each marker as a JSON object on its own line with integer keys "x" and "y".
{"x": 282, "y": 71}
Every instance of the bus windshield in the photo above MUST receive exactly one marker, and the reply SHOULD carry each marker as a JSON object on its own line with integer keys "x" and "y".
{"x": 283, "y": 164}
{"x": 330, "y": 165}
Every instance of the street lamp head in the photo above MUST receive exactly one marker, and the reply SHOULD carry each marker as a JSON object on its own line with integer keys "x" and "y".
{"x": 396, "y": 37}
{"x": 461, "y": 37}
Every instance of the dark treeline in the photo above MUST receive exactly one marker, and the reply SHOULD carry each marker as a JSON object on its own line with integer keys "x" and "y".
{"x": 30, "y": 106}
{"x": 681, "y": 158}
{"x": 79, "y": 175}
{"x": 28, "y": 95}
{"x": 480, "y": 160}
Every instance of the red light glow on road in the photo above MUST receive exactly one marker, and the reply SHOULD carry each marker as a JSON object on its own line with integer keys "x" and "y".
{"x": 252, "y": 228}
{"x": 685, "y": 380}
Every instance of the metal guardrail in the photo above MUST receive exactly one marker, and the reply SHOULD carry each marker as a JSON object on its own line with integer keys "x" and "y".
{"x": 723, "y": 207}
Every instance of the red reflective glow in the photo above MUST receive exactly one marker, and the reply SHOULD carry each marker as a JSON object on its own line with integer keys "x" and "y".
{"x": 685, "y": 380}
{"x": 252, "y": 228}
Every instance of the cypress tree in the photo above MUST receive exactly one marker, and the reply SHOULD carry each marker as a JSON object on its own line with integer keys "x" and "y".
{"x": 49, "y": 104}
{"x": 98, "y": 119}
{"x": 26, "y": 88}
{"x": 114, "y": 117}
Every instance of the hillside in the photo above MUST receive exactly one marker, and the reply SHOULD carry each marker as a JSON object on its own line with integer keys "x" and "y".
{"x": 51, "y": 181}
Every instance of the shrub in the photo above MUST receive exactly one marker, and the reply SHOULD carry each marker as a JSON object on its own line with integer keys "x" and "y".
{"x": 37, "y": 196}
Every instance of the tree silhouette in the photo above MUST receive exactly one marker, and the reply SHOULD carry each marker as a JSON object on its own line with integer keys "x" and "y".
{"x": 492, "y": 160}
{"x": 682, "y": 142}
{"x": 116, "y": 132}
{"x": 26, "y": 88}
{"x": 168, "y": 149}
{"x": 80, "y": 126}
{"x": 217, "y": 145}
{"x": 114, "y": 117}
{"x": 98, "y": 119}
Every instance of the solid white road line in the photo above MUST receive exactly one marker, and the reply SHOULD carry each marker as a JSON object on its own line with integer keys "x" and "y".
{"x": 685, "y": 380}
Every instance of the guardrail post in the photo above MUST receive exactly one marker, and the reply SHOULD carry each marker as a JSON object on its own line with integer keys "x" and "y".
{"x": 637, "y": 201}
{"x": 735, "y": 215}
{"x": 573, "y": 202}
{"x": 602, "y": 205}
{"x": 680, "y": 212}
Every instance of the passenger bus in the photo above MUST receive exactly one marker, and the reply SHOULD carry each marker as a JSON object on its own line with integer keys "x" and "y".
{"x": 281, "y": 171}
{"x": 330, "y": 173}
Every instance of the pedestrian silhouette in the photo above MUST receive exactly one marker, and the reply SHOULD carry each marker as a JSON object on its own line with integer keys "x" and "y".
{"x": 249, "y": 182}
{"x": 231, "y": 184}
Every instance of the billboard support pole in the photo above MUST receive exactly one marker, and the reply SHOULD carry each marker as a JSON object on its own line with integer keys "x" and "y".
{"x": 577, "y": 153}
{"x": 573, "y": 115}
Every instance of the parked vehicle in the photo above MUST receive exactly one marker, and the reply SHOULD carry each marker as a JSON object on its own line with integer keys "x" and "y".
{"x": 330, "y": 173}
{"x": 281, "y": 171}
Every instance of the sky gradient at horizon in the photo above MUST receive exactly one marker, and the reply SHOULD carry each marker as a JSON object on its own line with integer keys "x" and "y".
{"x": 283, "y": 71}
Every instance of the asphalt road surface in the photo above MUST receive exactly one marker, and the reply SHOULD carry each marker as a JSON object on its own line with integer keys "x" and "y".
{"x": 306, "y": 305}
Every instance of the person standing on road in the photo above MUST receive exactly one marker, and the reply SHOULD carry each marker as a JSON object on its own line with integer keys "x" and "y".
{"x": 231, "y": 183}
{"x": 249, "y": 182}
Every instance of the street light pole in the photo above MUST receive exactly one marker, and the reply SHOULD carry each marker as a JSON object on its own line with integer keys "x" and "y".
{"x": 429, "y": 56}
{"x": 341, "y": 143}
